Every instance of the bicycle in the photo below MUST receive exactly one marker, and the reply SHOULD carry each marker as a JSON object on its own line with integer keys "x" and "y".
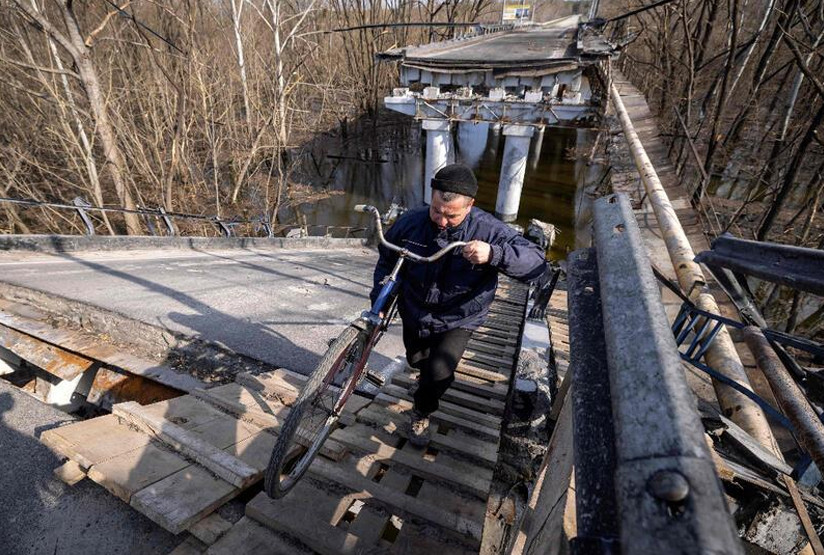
{"x": 320, "y": 403}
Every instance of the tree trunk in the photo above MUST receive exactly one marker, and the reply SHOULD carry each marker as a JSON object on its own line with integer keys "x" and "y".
{"x": 75, "y": 45}
{"x": 237, "y": 10}
{"x": 88, "y": 152}
{"x": 789, "y": 179}
{"x": 722, "y": 100}
{"x": 761, "y": 69}
{"x": 767, "y": 13}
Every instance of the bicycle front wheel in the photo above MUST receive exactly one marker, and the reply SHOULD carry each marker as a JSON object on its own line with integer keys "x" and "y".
{"x": 314, "y": 413}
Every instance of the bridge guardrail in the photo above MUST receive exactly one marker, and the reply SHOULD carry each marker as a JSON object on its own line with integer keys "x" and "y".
{"x": 260, "y": 226}
{"x": 667, "y": 496}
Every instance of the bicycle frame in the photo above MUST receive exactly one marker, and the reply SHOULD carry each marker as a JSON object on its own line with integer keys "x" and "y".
{"x": 373, "y": 323}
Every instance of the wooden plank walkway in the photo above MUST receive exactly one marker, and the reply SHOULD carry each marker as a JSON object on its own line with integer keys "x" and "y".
{"x": 558, "y": 317}
{"x": 179, "y": 460}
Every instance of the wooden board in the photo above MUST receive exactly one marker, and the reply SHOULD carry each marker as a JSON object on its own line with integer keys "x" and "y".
{"x": 457, "y": 396}
{"x": 480, "y": 345}
{"x": 210, "y": 529}
{"x": 231, "y": 469}
{"x": 472, "y": 479}
{"x": 484, "y": 452}
{"x": 489, "y": 374}
{"x": 252, "y": 406}
{"x": 132, "y": 471}
{"x": 93, "y": 441}
{"x": 157, "y": 467}
{"x": 487, "y": 420}
{"x": 52, "y": 359}
{"x": 466, "y": 424}
{"x": 183, "y": 498}
{"x": 90, "y": 347}
{"x": 246, "y": 404}
{"x": 69, "y": 473}
{"x": 249, "y": 537}
{"x": 352, "y": 473}
{"x": 480, "y": 387}
{"x": 284, "y": 386}
{"x": 313, "y": 515}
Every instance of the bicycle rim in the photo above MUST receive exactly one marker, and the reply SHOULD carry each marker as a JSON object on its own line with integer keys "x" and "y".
{"x": 314, "y": 413}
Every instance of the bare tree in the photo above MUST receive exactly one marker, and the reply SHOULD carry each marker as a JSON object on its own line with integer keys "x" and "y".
{"x": 73, "y": 43}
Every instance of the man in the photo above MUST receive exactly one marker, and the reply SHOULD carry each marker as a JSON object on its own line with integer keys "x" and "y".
{"x": 441, "y": 303}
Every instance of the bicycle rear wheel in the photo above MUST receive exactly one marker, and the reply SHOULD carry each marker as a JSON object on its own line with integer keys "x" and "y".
{"x": 314, "y": 413}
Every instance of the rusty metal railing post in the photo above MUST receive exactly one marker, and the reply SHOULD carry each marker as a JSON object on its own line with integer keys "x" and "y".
{"x": 791, "y": 400}
{"x": 669, "y": 497}
{"x": 721, "y": 354}
{"x": 167, "y": 221}
{"x": 81, "y": 205}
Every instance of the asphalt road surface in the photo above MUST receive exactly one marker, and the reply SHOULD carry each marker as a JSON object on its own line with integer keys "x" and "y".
{"x": 39, "y": 514}
{"x": 280, "y": 306}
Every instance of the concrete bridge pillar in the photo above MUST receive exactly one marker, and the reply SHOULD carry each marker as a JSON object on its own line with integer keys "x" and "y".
{"x": 536, "y": 148}
{"x": 472, "y": 137}
{"x": 438, "y": 147}
{"x": 516, "y": 151}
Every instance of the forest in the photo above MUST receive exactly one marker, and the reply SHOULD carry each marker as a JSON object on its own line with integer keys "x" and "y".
{"x": 739, "y": 89}
{"x": 195, "y": 107}
{"x": 206, "y": 108}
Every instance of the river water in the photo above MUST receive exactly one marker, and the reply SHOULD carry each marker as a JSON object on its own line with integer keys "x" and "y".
{"x": 384, "y": 164}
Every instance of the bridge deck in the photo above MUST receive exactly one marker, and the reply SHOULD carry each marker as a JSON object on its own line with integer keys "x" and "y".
{"x": 555, "y": 43}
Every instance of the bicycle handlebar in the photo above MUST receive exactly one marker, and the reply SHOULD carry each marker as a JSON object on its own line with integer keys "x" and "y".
{"x": 365, "y": 208}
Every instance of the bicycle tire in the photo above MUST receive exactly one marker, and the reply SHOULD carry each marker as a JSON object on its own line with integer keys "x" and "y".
{"x": 332, "y": 362}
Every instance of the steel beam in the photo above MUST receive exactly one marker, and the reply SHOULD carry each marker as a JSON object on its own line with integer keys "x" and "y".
{"x": 721, "y": 354}
{"x": 596, "y": 512}
{"x": 797, "y": 267}
{"x": 669, "y": 497}
{"x": 790, "y": 397}
{"x": 519, "y": 112}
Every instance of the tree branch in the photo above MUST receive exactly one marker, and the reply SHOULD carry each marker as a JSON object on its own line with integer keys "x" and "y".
{"x": 40, "y": 20}
{"x": 802, "y": 65}
{"x": 90, "y": 39}
{"x": 41, "y": 68}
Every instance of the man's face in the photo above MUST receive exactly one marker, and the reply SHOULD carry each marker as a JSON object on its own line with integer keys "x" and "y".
{"x": 449, "y": 214}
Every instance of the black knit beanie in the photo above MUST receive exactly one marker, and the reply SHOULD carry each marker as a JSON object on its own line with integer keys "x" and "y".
{"x": 456, "y": 178}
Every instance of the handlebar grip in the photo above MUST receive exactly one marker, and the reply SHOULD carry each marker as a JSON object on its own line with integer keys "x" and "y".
{"x": 361, "y": 208}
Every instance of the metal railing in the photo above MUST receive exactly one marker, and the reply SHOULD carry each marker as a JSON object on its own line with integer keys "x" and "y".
{"x": 637, "y": 434}
{"x": 261, "y": 226}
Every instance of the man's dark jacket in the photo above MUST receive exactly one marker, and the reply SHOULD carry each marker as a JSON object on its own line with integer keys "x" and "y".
{"x": 453, "y": 293}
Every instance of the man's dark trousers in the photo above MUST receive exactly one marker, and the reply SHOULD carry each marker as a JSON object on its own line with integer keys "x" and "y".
{"x": 436, "y": 358}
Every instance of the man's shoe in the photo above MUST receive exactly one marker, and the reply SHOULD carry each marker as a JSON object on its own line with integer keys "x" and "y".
{"x": 418, "y": 429}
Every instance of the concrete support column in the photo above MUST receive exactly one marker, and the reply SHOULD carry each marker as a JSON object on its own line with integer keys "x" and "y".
{"x": 536, "y": 148}
{"x": 516, "y": 151}
{"x": 472, "y": 138}
{"x": 438, "y": 146}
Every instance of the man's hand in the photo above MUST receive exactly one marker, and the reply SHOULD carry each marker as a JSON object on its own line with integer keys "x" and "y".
{"x": 477, "y": 252}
